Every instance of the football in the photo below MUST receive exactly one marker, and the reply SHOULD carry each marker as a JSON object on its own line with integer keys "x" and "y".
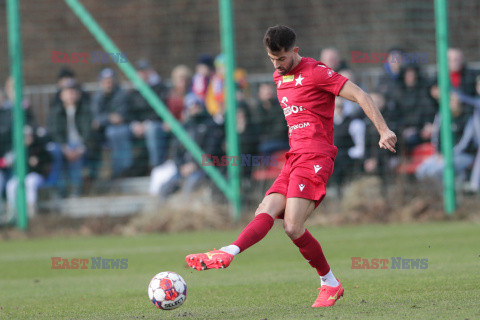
{"x": 167, "y": 290}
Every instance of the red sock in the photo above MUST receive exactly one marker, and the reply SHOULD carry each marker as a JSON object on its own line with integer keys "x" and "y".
{"x": 255, "y": 231}
{"x": 312, "y": 252}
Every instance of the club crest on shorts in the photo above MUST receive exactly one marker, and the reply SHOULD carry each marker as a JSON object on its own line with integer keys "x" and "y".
{"x": 301, "y": 186}
{"x": 316, "y": 167}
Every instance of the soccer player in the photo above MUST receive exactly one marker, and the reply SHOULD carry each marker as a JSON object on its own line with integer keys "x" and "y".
{"x": 306, "y": 90}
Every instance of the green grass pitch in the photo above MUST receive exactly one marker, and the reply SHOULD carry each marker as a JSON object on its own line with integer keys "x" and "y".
{"x": 269, "y": 281}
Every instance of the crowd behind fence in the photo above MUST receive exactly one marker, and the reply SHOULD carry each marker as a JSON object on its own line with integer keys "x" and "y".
{"x": 74, "y": 131}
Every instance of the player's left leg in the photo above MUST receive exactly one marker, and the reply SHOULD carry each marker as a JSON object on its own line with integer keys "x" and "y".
{"x": 296, "y": 213}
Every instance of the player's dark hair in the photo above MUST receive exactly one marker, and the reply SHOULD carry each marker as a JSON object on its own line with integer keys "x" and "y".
{"x": 279, "y": 37}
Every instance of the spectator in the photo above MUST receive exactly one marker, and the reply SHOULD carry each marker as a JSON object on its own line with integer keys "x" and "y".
{"x": 391, "y": 75}
{"x": 247, "y": 132}
{"x": 331, "y": 58}
{"x": 240, "y": 77}
{"x": 214, "y": 99}
{"x": 201, "y": 79}
{"x": 462, "y": 79}
{"x": 432, "y": 167}
{"x": 146, "y": 125}
{"x": 207, "y": 134}
{"x": 181, "y": 80}
{"x": 412, "y": 107}
{"x": 7, "y": 100}
{"x": 349, "y": 107}
{"x": 65, "y": 76}
{"x": 69, "y": 125}
{"x": 6, "y": 159}
{"x": 38, "y": 168}
{"x": 472, "y": 132}
{"x": 270, "y": 120}
{"x": 5, "y": 132}
{"x": 349, "y": 138}
{"x": 109, "y": 111}
{"x": 379, "y": 161}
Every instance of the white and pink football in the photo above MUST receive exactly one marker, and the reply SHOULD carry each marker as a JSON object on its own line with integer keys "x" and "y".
{"x": 167, "y": 290}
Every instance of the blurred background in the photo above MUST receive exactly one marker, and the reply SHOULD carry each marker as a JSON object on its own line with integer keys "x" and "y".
{"x": 97, "y": 151}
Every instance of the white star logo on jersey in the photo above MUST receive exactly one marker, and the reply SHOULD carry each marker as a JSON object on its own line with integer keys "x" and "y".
{"x": 279, "y": 83}
{"x": 317, "y": 168}
{"x": 301, "y": 186}
{"x": 330, "y": 73}
{"x": 299, "y": 80}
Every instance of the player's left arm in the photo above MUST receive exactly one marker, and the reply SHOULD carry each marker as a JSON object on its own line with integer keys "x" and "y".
{"x": 354, "y": 93}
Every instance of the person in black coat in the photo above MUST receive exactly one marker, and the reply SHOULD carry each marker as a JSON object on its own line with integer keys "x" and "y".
{"x": 70, "y": 128}
{"x": 413, "y": 108}
{"x": 110, "y": 122}
{"x": 269, "y": 118}
{"x": 39, "y": 162}
{"x": 7, "y": 100}
{"x": 145, "y": 123}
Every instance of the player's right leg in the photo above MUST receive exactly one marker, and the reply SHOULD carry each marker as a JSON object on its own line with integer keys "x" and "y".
{"x": 271, "y": 207}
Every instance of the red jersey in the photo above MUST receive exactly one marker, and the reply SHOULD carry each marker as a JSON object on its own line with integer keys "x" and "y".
{"x": 307, "y": 96}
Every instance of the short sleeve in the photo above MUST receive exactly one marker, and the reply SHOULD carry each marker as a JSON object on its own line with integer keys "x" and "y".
{"x": 328, "y": 80}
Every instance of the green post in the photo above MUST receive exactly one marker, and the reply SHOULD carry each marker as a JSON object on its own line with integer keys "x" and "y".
{"x": 441, "y": 21}
{"x": 228, "y": 49}
{"x": 15, "y": 52}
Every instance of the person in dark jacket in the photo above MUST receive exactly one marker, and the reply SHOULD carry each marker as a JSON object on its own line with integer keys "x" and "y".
{"x": 247, "y": 132}
{"x": 270, "y": 120}
{"x": 391, "y": 75}
{"x": 145, "y": 122}
{"x": 413, "y": 108}
{"x": 378, "y": 161}
{"x": 70, "y": 127}
{"x": 64, "y": 77}
{"x": 6, "y": 160}
{"x": 38, "y": 168}
{"x": 7, "y": 100}
{"x": 110, "y": 121}
{"x": 349, "y": 138}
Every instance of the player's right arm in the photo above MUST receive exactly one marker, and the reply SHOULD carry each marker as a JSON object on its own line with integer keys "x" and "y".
{"x": 354, "y": 93}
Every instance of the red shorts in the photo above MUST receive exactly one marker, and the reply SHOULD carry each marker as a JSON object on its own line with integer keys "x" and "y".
{"x": 304, "y": 175}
